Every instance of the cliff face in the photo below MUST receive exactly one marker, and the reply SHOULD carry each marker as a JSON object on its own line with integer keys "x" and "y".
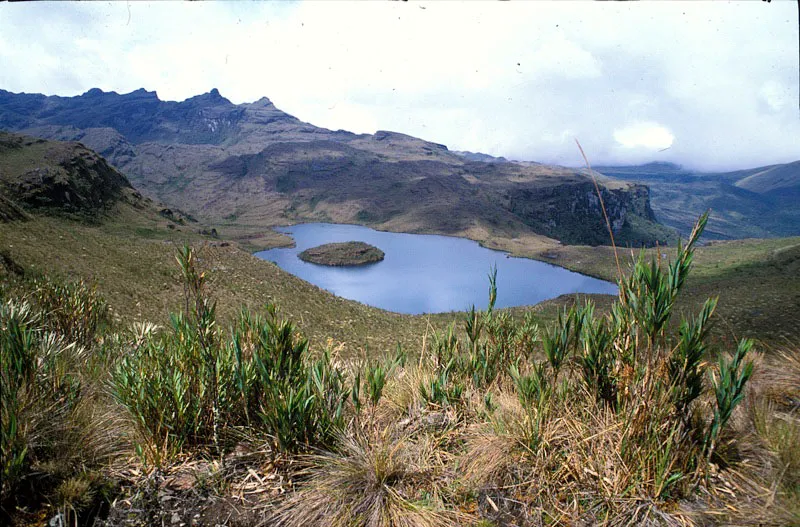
{"x": 573, "y": 213}
{"x": 255, "y": 163}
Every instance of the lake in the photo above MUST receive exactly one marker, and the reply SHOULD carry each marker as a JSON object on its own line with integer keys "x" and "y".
{"x": 424, "y": 273}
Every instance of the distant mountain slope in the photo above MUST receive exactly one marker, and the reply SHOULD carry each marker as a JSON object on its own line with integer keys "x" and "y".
{"x": 479, "y": 156}
{"x": 752, "y": 203}
{"x": 773, "y": 179}
{"x": 252, "y": 164}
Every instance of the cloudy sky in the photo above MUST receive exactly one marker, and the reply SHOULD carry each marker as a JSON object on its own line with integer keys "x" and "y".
{"x": 710, "y": 85}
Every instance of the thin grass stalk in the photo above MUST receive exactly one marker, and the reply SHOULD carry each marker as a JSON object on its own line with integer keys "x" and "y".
{"x": 603, "y": 207}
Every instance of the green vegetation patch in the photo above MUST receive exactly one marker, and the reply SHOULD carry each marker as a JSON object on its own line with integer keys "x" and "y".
{"x": 591, "y": 419}
{"x": 341, "y": 254}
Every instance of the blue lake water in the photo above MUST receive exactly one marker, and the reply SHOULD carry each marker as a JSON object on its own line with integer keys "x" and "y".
{"x": 427, "y": 274}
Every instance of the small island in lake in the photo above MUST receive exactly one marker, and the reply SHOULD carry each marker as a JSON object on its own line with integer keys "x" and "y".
{"x": 341, "y": 254}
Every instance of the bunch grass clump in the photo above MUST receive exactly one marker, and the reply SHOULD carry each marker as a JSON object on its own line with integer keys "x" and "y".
{"x": 56, "y": 433}
{"x": 372, "y": 481}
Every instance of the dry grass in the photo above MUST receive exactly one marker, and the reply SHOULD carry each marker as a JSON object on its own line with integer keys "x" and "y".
{"x": 768, "y": 431}
{"x": 371, "y": 481}
{"x": 577, "y": 474}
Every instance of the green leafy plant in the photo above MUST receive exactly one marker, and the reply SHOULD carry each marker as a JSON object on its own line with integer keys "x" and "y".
{"x": 728, "y": 390}
{"x": 441, "y": 390}
{"x": 201, "y": 311}
{"x": 18, "y": 368}
{"x": 685, "y": 366}
{"x": 559, "y": 340}
{"x": 597, "y": 360}
{"x": 184, "y": 386}
{"x": 377, "y": 375}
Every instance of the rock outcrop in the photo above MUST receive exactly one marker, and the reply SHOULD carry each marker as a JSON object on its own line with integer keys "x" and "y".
{"x": 56, "y": 177}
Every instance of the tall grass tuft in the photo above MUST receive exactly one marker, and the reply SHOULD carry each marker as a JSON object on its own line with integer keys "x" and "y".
{"x": 53, "y": 430}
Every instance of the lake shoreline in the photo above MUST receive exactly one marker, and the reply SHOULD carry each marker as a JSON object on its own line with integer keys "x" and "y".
{"x": 533, "y": 247}
{"x": 428, "y": 273}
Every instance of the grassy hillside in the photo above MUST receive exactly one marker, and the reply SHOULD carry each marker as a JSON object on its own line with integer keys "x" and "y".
{"x": 223, "y": 415}
{"x": 755, "y": 279}
{"x": 771, "y": 179}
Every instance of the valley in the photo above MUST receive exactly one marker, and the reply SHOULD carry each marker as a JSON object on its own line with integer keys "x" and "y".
{"x": 399, "y": 264}
{"x": 754, "y": 203}
{"x": 117, "y": 222}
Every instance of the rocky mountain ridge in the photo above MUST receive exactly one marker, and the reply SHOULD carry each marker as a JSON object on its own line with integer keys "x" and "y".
{"x": 254, "y": 164}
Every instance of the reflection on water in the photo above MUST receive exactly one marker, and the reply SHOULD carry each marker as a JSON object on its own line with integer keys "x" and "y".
{"x": 426, "y": 273}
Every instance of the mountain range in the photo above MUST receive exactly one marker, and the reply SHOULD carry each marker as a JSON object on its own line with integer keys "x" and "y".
{"x": 758, "y": 202}
{"x": 253, "y": 165}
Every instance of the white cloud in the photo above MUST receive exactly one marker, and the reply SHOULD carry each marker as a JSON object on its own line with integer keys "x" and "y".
{"x": 559, "y": 57}
{"x": 775, "y": 95}
{"x": 647, "y": 135}
{"x": 514, "y": 79}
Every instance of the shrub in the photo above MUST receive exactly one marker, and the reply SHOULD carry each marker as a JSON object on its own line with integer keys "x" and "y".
{"x": 163, "y": 383}
{"x": 296, "y": 401}
{"x": 647, "y": 380}
{"x": 183, "y": 386}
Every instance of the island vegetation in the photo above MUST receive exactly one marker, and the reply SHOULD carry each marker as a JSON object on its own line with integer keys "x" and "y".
{"x": 342, "y": 254}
